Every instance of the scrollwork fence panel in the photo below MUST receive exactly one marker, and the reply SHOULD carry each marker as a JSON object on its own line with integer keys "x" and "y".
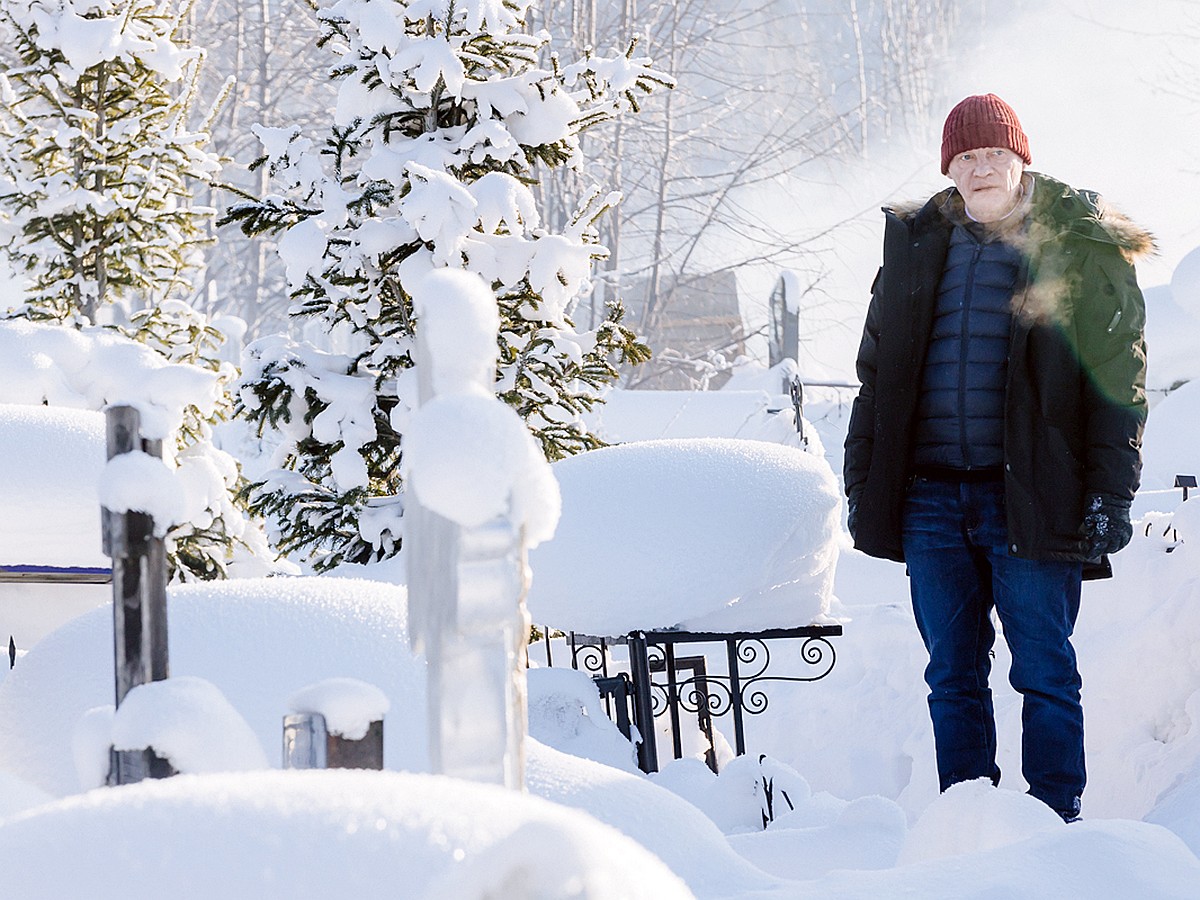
{"x": 664, "y": 683}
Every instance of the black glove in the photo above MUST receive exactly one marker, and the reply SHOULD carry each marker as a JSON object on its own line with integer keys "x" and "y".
{"x": 852, "y": 511}
{"x": 1106, "y": 527}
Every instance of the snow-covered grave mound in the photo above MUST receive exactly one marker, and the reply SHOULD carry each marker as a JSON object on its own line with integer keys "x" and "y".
{"x": 659, "y": 415}
{"x": 705, "y": 534}
{"x": 322, "y": 834}
{"x": 1170, "y": 447}
{"x": 49, "y": 505}
{"x": 49, "y": 514}
{"x": 259, "y": 641}
{"x": 1172, "y": 325}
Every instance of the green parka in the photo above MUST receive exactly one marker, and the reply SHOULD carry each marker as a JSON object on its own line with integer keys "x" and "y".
{"x": 1075, "y": 401}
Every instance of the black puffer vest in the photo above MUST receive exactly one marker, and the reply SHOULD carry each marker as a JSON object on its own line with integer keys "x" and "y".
{"x": 960, "y": 412}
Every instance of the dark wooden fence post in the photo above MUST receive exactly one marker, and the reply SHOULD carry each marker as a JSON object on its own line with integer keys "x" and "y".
{"x": 139, "y": 577}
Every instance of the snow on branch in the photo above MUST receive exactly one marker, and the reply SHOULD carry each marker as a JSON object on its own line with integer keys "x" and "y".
{"x": 445, "y": 118}
{"x": 94, "y": 367}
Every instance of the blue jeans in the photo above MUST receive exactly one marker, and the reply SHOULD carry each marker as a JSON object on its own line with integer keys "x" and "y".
{"x": 956, "y": 547}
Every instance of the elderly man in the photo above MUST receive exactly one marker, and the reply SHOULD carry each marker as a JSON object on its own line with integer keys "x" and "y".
{"x": 995, "y": 445}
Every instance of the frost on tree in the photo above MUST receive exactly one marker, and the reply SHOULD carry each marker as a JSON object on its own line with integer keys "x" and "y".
{"x": 97, "y": 164}
{"x": 98, "y": 153}
{"x": 444, "y": 116}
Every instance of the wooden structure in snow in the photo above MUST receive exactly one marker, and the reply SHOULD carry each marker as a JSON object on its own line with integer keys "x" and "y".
{"x": 51, "y": 564}
{"x": 55, "y": 575}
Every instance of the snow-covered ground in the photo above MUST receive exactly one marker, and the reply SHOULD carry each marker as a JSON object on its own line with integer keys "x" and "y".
{"x": 698, "y": 525}
{"x": 853, "y": 753}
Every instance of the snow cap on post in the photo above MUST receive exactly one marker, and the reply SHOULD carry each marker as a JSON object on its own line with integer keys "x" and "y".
{"x": 459, "y": 321}
{"x": 982, "y": 120}
{"x": 470, "y": 458}
{"x": 189, "y": 721}
{"x": 139, "y": 482}
{"x": 348, "y": 705}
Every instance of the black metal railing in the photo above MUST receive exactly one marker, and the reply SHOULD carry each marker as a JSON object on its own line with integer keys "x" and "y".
{"x": 662, "y": 682}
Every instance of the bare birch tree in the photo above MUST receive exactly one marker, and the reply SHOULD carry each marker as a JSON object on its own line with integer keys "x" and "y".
{"x": 269, "y": 48}
{"x": 769, "y": 95}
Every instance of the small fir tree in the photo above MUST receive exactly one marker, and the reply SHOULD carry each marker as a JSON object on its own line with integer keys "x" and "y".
{"x": 444, "y": 116}
{"x": 99, "y": 154}
{"x": 97, "y": 160}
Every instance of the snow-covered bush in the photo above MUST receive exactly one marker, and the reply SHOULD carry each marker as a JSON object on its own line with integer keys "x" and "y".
{"x": 443, "y": 118}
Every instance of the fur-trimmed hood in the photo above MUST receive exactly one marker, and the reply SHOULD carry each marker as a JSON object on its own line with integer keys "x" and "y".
{"x": 1056, "y": 205}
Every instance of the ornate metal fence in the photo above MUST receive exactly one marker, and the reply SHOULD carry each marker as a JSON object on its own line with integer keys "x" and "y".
{"x": 661, "y": 682}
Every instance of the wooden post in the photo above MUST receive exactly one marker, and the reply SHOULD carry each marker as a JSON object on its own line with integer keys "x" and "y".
{"x": 139, "y": 577}
{"x": 307, "y": 744}
{"x": 784, "y": 337}
{"x": 364, "y": 753}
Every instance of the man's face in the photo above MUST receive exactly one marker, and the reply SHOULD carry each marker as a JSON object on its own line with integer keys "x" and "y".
{"x": 989, "y": 179}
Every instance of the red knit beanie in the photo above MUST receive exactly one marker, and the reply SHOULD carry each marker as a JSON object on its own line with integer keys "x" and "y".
{"x": 983, "y": 120}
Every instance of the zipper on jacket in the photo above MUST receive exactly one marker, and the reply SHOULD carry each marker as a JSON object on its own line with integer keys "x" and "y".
{"x": 964, "y": 337}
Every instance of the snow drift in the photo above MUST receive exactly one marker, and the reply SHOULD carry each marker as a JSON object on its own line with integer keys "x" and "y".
{"x": 707, "y": 534}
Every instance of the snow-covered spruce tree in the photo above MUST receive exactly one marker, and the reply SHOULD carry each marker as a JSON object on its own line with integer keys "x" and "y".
{"x": 99, "y": 154}
{"x": 97, "y": 159}
{"x": 443, "y": 118}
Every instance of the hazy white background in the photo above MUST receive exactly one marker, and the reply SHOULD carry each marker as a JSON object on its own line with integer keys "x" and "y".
{"x": 1107, "y": 93}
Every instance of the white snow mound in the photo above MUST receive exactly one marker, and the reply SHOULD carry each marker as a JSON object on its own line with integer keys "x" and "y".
{"x": 322, "y": 834}
{"x": 190, "y": 722}
{"x": 258, "y": 641}
{"x": 708, "y": 534}
{"x": 49, "y": 504}
{"x": 974, "y": 816}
